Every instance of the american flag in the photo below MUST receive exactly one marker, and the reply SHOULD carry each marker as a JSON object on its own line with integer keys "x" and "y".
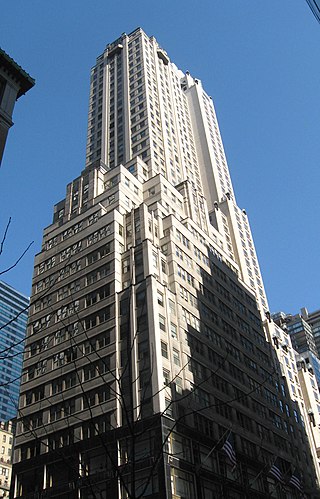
{"x": 295, "y": 480}
{"x": 228, "y": 449}
{"x": 275, "y": 471}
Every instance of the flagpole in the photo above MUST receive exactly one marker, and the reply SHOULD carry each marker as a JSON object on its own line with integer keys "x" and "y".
{"x": 280, "y": 486}
{"x": 263, "y": 468}
{"x": 197, "y": 469}
{"x": 257, "y": 476}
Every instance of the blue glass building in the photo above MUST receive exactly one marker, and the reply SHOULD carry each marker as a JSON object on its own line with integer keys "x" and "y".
{"x": 13, "y": 322}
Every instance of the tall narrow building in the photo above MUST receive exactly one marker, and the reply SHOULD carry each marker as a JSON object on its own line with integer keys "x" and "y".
{"x": 146, "y": 367}
{"x": 13, "y": 325}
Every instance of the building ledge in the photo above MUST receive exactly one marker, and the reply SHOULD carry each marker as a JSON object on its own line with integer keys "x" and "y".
{"x": 24, "y": 79}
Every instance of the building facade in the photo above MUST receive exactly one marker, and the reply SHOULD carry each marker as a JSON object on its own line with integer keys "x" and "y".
{"x": 301, "y": 377}
{"x": 313, "y": 319}
{"x": 6, "y": 444}
{"x": 309, "y": 393}
{"x": 145, "y": 349}
{"x": 14, "y": 82}
{"x": 13, "y": 324}
{"x": 299, "y": 330}
{"x": 304, "y": 329}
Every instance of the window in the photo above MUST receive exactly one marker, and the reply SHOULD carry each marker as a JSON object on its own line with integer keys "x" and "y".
{"x": 166, "y": 377}
{"x": 276, "y": 420}
{"x": 125, "y": 265}
{"x": 162, "y": 322}
{"x": 160, "y": 298}
{"x": 201, "y": 397}
{"x": 155, "y": 259}
{"x": 173, "y": 330}
{"x": 164, "y": 350}
{"x": 2, "y": 87}
{"x": 270, "y": 397}
{"x": 176, "y": 357}
{"x": 178, "y": 385}
{"x": 169, "y": 409}
{"x": 163, "y": 266}
{"x": 172, "y": 307}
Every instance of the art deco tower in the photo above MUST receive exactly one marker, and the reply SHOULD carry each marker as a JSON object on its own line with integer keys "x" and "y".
{"x": 145, "y": 348}
{"x": 142, "y": 105}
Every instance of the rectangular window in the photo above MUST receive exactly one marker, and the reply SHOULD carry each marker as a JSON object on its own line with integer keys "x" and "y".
{"x": 155, "y": 259}
{"x": 172, "y": 307}
{"x": 173, "y": 330}
{"x": 163, "y": 266}
{"x": 2, "y": 87}
{"x": 166, "y": 377}
{"x": 176, "y": 357}
{"x": 169, "y": 409}
{"x": 164, "y": 349}
{"x": 160, "y": 298}
{"x": 178, "y": 385}
{"x": 162, "y": 322}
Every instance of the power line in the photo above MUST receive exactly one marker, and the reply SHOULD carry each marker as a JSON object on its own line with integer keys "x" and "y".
{"x": 28, "y": 307}
{"x": 315, "y": 9}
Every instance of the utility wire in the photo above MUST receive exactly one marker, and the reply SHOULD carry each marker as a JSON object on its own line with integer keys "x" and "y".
{"x": 5, "y": 235}
{"x": 315, "y": 9}
{"x": 213, "y": 405}
{"x": 27, "y": 307}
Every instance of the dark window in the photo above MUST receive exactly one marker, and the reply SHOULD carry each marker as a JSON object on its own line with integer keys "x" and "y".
{"x": 2, "y": 87}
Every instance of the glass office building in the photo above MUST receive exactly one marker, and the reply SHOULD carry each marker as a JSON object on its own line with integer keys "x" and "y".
{"x": 13, "y": 321}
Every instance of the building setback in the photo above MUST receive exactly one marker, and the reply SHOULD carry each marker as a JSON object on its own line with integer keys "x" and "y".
{"x": 13, "y": 324}
{"x": 145, "y": 355}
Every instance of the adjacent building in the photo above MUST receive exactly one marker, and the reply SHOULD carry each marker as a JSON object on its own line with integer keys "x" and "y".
{"x": 6, "y": 446}
{"x": 13, "y": 323}
{"x": 299, "y": 330}
{"x": 301, "y": 378}
{"x": 309, "y": 390}
{"x": 14, "y": 82}
{"x": 313, "y": 319}
{"x": 145, "y": 356}
{"x": 304, "y": 330}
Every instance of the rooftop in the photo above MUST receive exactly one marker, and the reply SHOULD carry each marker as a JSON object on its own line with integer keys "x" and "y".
{"x": 25, "y": 80}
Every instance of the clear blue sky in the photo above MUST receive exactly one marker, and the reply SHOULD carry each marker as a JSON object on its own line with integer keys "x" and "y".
{"x": 260, "y": 62}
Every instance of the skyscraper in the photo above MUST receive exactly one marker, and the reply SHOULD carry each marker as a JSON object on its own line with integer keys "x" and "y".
{"x": 13, "y": 324}
{"x": 141, "y": 105}
{"x": 145, "y": 355}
